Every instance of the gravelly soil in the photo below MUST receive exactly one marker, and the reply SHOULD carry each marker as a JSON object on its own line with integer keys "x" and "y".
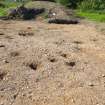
{"x": 42, "y": 64}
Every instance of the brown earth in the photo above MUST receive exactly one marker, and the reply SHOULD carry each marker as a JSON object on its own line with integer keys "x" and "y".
{"x": 49, "y": 64}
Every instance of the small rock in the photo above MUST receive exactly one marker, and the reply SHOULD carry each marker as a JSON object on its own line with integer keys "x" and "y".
{"x": 73, "y": 100}
{"x": 2, "y": 45}
{"x": 90, "y": 84}
{"x": 1, "y": 103}
{"x": 1, "y": 33}
{"x": 29, "y": 27}
{"x": 103, "y": 75}
{"x": 37, "y": 80}
{"x": 5, "y": 61}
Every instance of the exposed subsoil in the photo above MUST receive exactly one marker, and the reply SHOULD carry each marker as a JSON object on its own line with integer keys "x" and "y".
{"x": 50, "y": 64}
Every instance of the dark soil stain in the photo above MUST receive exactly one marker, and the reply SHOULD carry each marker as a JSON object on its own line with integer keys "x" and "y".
{"x": 71, "y": 63}
{"x": 25, "y": 33}
{"x": 52, "y": 60}
{"x": 78, "y": 42}
{"x": 2, "y": 46}
{"x": 14, "y": 54}
{"x": 33, "y": 66}
{"x": 9, "y": 37}
{"x": 2, "y": 75}
{"x": 1, "y": 33}
{"x": 64, "y": 55}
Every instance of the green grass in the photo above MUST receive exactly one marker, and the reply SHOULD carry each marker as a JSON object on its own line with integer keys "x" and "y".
{"x": 95, "y": 16}
{"x": 3, "y": 12}
{"x": 8, "y": 6}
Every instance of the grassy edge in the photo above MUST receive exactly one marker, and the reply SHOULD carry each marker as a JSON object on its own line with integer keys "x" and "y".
{"x": 8, "y": 6}
{"x": 94, "y": 16}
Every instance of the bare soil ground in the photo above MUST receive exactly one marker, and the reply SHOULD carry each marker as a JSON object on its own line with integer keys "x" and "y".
{"x": 49, "y": 64}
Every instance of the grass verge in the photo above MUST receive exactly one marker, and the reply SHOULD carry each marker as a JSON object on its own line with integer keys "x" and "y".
{"x": 95, "y": 16}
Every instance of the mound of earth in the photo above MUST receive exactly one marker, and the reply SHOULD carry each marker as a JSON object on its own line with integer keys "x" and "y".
{"x": 52, "y": 10}
{"x": 25, "y": 13}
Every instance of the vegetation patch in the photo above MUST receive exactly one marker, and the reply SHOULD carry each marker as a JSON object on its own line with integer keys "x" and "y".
{"x": 5, "y": 6}
{"x": 90, "y": 9}
{"x": 95, "y": 16}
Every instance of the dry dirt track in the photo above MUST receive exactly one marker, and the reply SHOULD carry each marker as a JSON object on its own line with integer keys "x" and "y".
{"x": 42, "y": 64}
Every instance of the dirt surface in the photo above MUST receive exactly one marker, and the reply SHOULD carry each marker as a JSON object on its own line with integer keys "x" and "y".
{"x": 49, "y": 64}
